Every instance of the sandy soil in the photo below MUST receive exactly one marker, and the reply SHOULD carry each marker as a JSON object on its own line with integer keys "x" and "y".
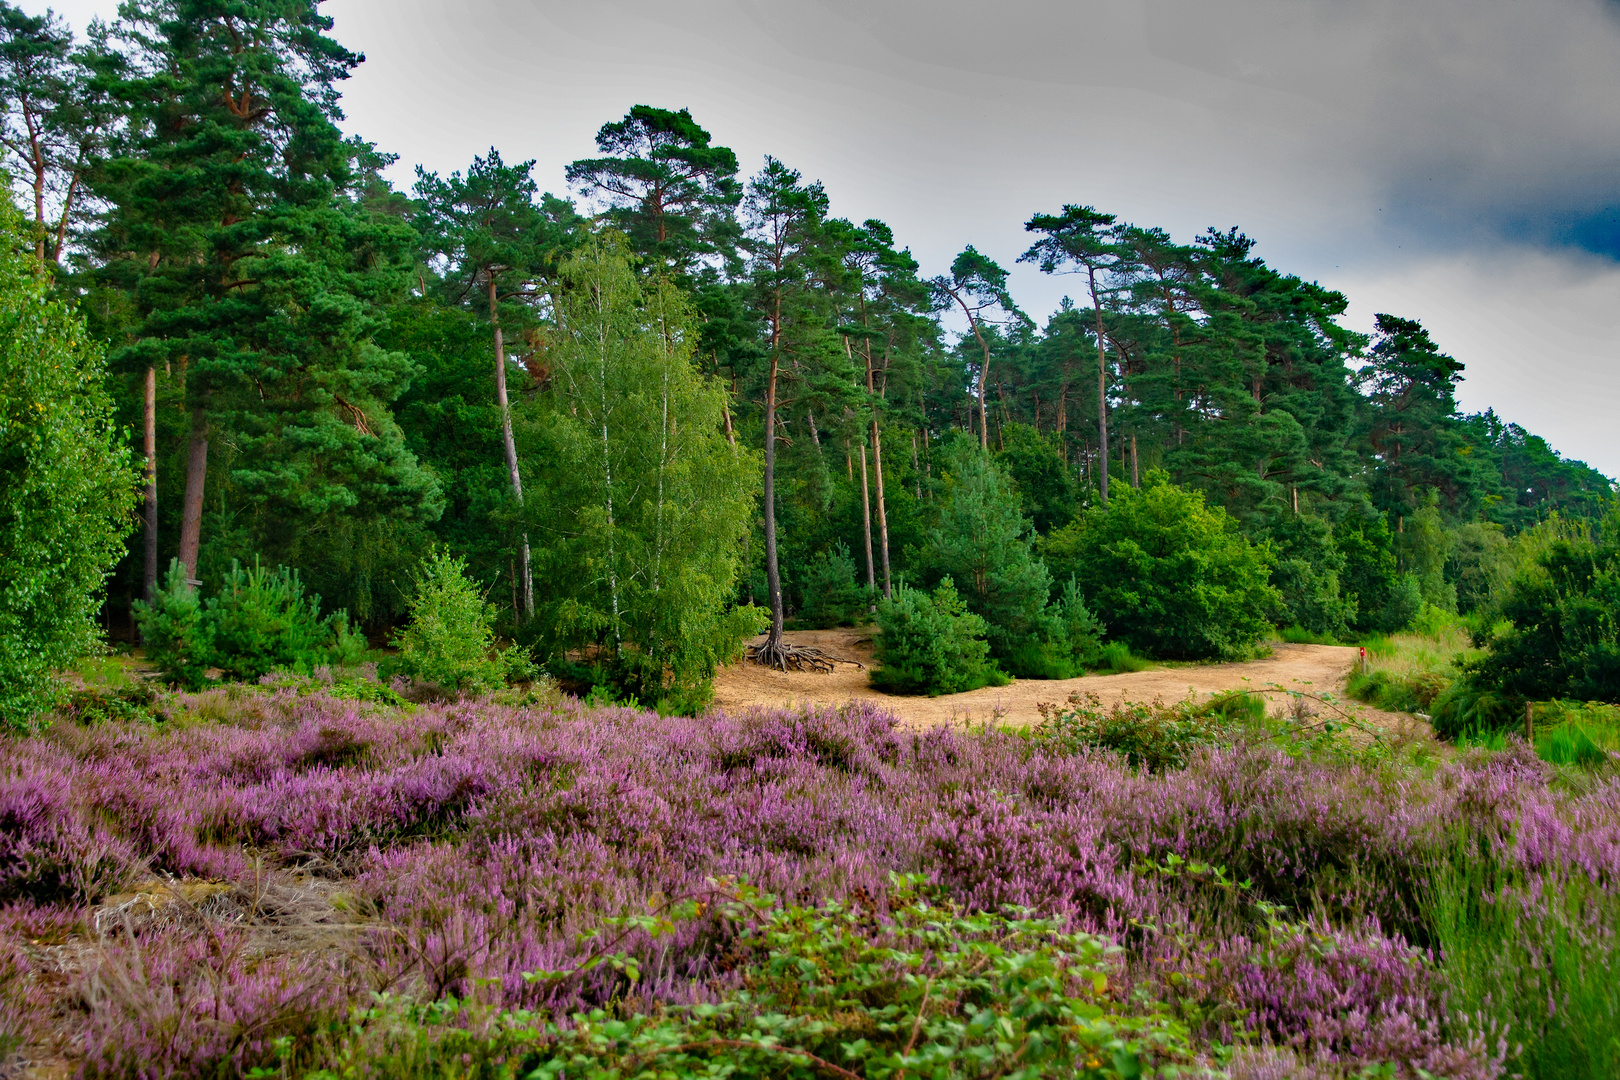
{"x": 1314, "y": 668}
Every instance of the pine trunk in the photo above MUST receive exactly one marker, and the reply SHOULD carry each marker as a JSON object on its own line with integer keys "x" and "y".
{"x": 149, "y": 445}
{"x": 1102, "y": 394}
{"x": 191, "y": 509}
{"x": 882, "y": 515}
{"x": 773, "y": 573}
{"x": 866, "y": 521}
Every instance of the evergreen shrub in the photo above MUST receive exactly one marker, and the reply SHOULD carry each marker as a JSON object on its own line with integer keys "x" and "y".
{"x": 831, "y": 595}
{"x": 932, "y": 644}
{"x": 179, "y": 639}
{"x": 449, "y": 641}
{"x": 262, "y": 621}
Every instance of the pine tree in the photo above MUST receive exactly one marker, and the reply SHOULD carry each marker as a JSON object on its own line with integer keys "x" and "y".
{"x": 53, "y": 125}
{"x": 498, "y": 246}
{"x": 1086, "y": 241}
{"x": 244, "y": 269}
{"x": 785, "y": 216}
{"x": 663, "y": 184}
{"x": 978, "y": 286}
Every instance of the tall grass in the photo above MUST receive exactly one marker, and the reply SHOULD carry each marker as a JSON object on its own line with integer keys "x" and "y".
{"x": 1580, "y": 735}
{"x": 1407, "y": 672}
{"x": 1116, "y": 658}
{"x": 1537, "y": 960}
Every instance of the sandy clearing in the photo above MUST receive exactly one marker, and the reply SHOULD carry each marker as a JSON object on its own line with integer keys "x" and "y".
{"x": 1314, "y": 668}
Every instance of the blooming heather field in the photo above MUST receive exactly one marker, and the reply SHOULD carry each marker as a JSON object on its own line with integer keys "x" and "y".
{"x": 271, "y": 884}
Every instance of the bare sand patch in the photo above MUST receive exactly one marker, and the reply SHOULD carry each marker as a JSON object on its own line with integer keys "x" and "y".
{"x": 1313, "y": 668}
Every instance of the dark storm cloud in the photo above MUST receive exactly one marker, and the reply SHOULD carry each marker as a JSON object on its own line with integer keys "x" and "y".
{"x": 1463, "y": 120}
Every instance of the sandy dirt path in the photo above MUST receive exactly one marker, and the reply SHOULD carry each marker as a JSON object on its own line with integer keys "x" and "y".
{"x": 1314, "y": 668}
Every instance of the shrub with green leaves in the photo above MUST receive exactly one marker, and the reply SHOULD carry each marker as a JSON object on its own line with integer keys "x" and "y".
{"x": 925, "y": 989}
{"x": 179, "y": 638}
{"x": 449, "y": 640}
{"x": 1564, "y": 641}
{"x": 1168, "y": 574}
{"x": 1307, "y": 575}
{"x": 831, "y": 595}
{"x": 262, "y": 621}
{"x": 1386, "y": 599}
{"x": 1155, "y": 737}
{"x": 67, "y": 483}
{"x": 932, "y": 644}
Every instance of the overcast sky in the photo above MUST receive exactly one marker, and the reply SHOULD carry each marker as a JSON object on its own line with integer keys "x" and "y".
{"x": 1455, "y": 161}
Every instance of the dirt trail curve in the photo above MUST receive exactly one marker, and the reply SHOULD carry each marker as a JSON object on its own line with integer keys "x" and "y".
{"x": 1316, "y": 668}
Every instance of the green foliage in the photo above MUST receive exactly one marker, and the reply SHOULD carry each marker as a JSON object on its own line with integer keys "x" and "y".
{"x": 1564, "y": 641}
{"x": 449, "y": 640}
{"x": 984, "y": 542}
{"x": 926, "y": 989}
{"x": 1156, "y": 737}
{"x": 932, "y": 644}
{"x": 1069, "y": 641}
{"x": 1306, "y": 575}
{"x": 1035, "y": 463}
{"x": 1582, "y": 744}
{"x": 1298, "y": 635}
{"x": 66, "y": 483}
{"x": 1168, "y": 574}
{"x": 238, "y": 247}
{"x": 1409, "y": 693}
{"x": 1426, "y": 546}
{"x": 1116, "y": 657}
{"x": 1479, "y": 566}
{"x": 831, "y": 595}
{"x": 179, "y": 639}
{"x": 642, "y": 502}
{"x": 260, "y": 621}
{"x": 1386, "y": 599}
{"x": 1465, "y": 710}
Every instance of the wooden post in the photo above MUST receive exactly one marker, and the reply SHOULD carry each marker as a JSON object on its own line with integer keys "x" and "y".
{"x": 1529, "y": 723}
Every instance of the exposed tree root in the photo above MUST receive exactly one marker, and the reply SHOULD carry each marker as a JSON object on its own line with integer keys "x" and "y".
{"x": 786, "y": 657}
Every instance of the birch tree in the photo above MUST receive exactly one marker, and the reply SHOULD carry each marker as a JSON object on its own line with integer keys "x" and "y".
{"x": 646, "y": 504}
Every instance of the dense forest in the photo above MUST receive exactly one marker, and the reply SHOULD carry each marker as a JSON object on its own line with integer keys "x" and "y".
{"x": 674, "y": 404}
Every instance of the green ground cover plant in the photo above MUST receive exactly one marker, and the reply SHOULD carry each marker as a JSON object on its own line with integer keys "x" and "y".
{"x": 1154, "y": 737}
{"x": 915, "y": 987}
